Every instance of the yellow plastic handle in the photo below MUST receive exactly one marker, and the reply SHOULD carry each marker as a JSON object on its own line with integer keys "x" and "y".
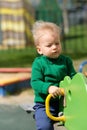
{"x": 61, "y": 118}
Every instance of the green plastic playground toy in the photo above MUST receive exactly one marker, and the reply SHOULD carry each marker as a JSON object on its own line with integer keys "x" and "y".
{"x": 75, "y": 110}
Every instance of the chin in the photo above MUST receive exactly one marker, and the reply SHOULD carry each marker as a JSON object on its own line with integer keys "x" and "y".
{"x": 54, "y": 57}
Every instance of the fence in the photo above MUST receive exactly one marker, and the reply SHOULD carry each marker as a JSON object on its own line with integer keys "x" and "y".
{"x": 76, "y": 38}
{"x": 74, "y": 41}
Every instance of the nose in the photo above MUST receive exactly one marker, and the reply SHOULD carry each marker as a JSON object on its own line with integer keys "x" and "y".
{"x": 54, "y": 46}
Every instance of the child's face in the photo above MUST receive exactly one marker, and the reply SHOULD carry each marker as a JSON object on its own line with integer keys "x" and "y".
{"x": 49, "y": 44}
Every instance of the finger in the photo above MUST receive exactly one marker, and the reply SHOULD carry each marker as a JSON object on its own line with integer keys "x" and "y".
{"x": 55, "y": 95}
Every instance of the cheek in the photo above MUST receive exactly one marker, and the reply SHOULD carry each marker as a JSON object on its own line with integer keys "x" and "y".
{"x": 60, "y": 47}
{"x": 46, "y": 51}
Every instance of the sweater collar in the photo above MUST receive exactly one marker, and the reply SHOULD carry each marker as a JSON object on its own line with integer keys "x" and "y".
{"x": 52, "y": 60}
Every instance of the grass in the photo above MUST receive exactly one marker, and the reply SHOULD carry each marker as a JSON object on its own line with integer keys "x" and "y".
{"x": 75, "y": 43}
{"x": 76, "y": 40}
{"x": 24, "y": 57}
{"x": 17, "y": 58}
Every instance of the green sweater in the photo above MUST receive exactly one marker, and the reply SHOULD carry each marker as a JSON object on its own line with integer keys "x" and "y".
{"x": 47, "y": 71}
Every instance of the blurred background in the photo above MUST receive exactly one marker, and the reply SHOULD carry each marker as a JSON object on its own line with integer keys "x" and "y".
{"x": 18, "y": 16}
{"x": 18, "y": 52}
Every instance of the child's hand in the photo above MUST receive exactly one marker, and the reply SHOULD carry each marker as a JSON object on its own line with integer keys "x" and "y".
{"x": 55, "y": 91}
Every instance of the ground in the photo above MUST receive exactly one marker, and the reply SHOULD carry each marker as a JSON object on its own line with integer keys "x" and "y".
{"x": 25, "y": 96}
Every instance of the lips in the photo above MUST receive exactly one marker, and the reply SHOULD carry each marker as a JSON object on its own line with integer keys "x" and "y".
{"x": 55, "y": 52}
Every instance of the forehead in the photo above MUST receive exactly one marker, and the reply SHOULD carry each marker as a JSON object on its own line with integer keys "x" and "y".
{"x": 48, "y": 38}
{"x": 48, "y": 33}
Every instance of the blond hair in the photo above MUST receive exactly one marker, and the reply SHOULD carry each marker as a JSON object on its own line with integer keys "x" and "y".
{"x": 39, "y": 27}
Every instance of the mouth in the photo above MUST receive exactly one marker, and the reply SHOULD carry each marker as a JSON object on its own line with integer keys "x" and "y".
{"x": 55, "y": 52}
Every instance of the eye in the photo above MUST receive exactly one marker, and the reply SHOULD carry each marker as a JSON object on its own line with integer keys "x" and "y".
{"x": 49, "y": 45}
{"x": 57, "y": 43}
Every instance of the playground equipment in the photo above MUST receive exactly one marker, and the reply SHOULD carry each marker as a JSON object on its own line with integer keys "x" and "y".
{"x": 15, "y": 117}
{"x": 82, "y": 65}
{"x": 13, "y": 80}
{"x": 75, "y": 110}
{"x": 74, "y": 117}
{"x": 83, "y": 68}
{"x": 16, "y": 19}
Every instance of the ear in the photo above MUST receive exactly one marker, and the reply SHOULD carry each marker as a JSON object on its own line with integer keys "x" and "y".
{"x": 39, "y": 50}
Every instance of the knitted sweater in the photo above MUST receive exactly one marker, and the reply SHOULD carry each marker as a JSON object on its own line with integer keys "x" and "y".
{"x": 47, "y": 72}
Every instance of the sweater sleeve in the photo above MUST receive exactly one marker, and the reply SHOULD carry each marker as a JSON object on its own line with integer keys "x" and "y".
{"x": 71, "y": 70}
{"x": 37, "y": 78}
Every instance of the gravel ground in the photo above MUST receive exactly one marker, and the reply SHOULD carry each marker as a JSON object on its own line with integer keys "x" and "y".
{"x": 25, "y": 96}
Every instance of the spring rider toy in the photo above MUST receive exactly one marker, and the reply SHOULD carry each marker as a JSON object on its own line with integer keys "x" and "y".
{"x": 74, "y": 92}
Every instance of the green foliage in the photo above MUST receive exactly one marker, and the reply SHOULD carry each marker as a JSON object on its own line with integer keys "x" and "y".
{"x": 17, "y": 58}
{"x": 25, "y": 57}
{"x": 76, "y": 40}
